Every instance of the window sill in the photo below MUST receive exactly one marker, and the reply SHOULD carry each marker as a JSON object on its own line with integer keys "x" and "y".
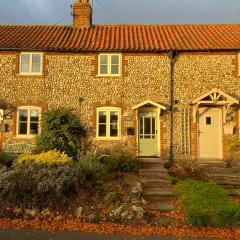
{"x": 107, "y": 139}
{"x": 25, "y": 137}
{"x": 108, "y": 76}
{"x": 30, "y": 75}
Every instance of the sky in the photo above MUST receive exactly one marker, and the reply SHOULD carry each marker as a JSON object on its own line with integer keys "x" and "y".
{"x": 123, "y": 11}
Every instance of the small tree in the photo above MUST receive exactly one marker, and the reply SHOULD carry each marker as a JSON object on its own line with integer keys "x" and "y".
{"x": 62, "y": 131}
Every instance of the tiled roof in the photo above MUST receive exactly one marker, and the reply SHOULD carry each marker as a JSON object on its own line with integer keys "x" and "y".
{"x": 120, "y": 37}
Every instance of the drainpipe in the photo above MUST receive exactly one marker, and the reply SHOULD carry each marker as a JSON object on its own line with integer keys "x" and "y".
{"x": 172, "y": 56}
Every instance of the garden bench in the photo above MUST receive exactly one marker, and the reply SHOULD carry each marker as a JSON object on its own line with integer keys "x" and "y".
{"x": 18, "y": 148}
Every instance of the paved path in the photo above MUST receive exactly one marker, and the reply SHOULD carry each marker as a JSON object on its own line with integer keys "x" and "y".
{"x": 33, "y": 234}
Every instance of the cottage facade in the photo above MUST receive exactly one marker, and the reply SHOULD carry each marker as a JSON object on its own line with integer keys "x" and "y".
{"x": 165, "y": 90}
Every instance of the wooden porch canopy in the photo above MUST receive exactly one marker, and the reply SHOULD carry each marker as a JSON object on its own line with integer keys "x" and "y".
{"x": 215, "y": 97}
{"x": 149, "y": 103}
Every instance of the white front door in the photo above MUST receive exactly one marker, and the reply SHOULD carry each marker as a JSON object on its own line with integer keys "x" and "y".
{"x": 147, "y": 134}
{"x": 210, "y": 133}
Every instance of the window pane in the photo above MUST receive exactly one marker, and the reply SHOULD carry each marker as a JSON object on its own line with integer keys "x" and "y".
{"x": 208, "y": 121}
{"x": 23, "y": 113}
{"x": 103, "y": 69}
{"x": 33, "y": 129}
{"x": 22, "y": 128}
{"x": 115, "y": 59}
{"x": 34, "y": 115}
{"x": 102, "y": 117}
{"x": 114, "y": 117}
{"x": 25, "y": 58}
{"x": 113, "y": 130}
{"x": 153, "y": 126}
{"x": 102, "y": 130}
{"x": 104, "y": 59}
{"x": 36, "y": 68}
{"x": 114, "y": 69}
{"x": 141, "y": 125}
{"x": 147, "y": 126}
{"x": 36, "y": 58}
{"x": 24, "y": 67}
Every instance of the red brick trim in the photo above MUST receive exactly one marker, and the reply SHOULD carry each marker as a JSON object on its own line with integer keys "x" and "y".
{"x": 194, "y": 136}
{"x": 235, "y": 66}
{"x": 16, "y": 64}
{"x": 124, "y": 67}
{"x": 42, "y": 105}
{"x": 163, "y": 136}
{"x": 106, "y": 104}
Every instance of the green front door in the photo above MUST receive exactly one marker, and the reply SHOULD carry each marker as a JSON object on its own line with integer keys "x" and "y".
{"x": 147, "y": 134}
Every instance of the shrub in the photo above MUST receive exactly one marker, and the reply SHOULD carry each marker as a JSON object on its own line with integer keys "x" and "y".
{"x": 207, "y": 204}
{"x": 112, "y": 197}
{"x": 123, "y": 164}
{"x": 48, "y": 158}
{"x": 91, "y": 166}
{"x": 62, "y": 131}
{"x": 118, "y": 158}
{"x": 41, "y": 186}
{"x": 233, "y": 152}
{"x": 7, "y": 159}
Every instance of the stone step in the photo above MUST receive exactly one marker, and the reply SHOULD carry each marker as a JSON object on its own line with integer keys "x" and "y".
{"x": 226, "y": 182}
{"x": 159, "y": 192}
{"x": 214, "y": 164}
{"x": 153, "y": 166}
{"x": 153, "y": 169}
{"x": 224, "y": 176}
{"x": 163, "y": 206}
{"x": 222, "y": 170}
{"x": 156, "y": 183}
{"x": 234, "y": 192}
{"x": 153, "y": 174}
{"x": 152, "y": 160}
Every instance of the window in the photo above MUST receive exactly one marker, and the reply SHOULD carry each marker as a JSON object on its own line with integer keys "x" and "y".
{"x": 108, "y": 123}
{"x": 28, "y": 119}
{"x": 31, "y": 63}
{"x": 208, "y": 121}
{"x": 109, "y": 65}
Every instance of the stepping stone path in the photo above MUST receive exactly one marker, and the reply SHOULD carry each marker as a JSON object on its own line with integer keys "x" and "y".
{"x": 227, "y": 177}
{"x": 157, "y": 188}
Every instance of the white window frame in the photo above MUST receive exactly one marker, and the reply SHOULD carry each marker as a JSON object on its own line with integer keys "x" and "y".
{"x": 30, "y": 64}
{"x": 28, "y": 135}
{"x": 109, "y": 55}
{"x": 108, "y": 110}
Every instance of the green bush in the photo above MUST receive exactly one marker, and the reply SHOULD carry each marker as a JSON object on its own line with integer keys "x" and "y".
{"x": 7, "y": 159}
{"x": 62, "y": 131}
{"x": 91, "y": 166}
{"x": 41, "y": 185}
{"x": 119, "y": 158}
{"x": 207, "y": 204}
{"x": 125, "y": 163}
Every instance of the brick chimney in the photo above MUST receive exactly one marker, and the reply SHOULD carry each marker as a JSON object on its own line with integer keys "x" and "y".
{"x": 82, "y": 13}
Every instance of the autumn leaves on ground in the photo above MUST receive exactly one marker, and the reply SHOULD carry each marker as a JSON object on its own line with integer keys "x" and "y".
{"x": 69, "y": 186}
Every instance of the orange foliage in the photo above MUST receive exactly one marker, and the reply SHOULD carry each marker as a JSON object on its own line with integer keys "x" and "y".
{"x": 74, "y": 225}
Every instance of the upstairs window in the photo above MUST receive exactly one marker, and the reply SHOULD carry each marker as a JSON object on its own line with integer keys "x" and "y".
{"x": 108, "y": 123}
{"x": 28, "y": 121}
{"x": 109, "y": 65}
{"x": 31, "y": 63}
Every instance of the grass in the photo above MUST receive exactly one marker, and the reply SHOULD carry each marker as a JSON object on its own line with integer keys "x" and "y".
{"x": 207, "y": 204}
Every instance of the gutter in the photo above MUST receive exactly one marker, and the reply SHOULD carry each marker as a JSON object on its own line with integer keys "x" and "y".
{"x": 173, "y": 58}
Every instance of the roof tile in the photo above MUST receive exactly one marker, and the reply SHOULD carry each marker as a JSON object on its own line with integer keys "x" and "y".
{"x": 120, "y": 37}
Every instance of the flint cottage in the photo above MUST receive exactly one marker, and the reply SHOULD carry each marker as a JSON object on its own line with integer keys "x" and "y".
{"x": 164, "y": 89}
